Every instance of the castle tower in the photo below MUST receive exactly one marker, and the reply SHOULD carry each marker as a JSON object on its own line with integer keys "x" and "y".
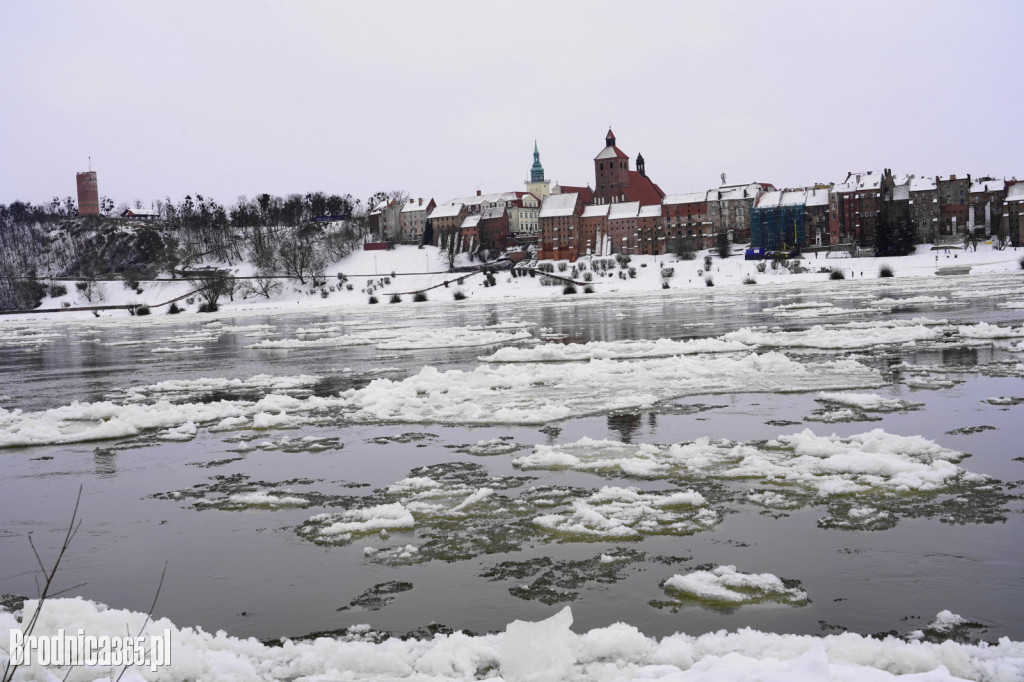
{"x": 88, "y": 193}
{"x": 611, "y": 168}
{"x": 537, "y": 185}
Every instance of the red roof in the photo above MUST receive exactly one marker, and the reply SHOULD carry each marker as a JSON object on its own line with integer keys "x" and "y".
{"x": 642, "y": 189}
{"x": 586, "y": 194}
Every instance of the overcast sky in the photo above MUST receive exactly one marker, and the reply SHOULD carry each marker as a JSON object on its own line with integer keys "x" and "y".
{"x": 443, "y": 98}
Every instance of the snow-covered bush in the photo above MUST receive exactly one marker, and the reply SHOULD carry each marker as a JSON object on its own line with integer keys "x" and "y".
{"x": 569, "y": 289}
{"x": 709, "y": 281}
{"x": 173, "y": 309}
{"x": 666, "y": 273}
{"x": 836, "y": 273}
{"x": 419, "y": 296}
{"x": 762, "y": 266}
{"x": 395, "y": 298}
{"x": 632, "y": 273}
{"x": 372, "y": 300}
{"x": 589, "y": 289}
{"x": 563, "y": 266}
{"x": 588, "y": 276}
{"x": 664, "y": 284}
{"x": 57, "y": 290}
{"x": 885, "y": 270}
{"x": 749, "y": 279}
{"x": 459, "y": 295}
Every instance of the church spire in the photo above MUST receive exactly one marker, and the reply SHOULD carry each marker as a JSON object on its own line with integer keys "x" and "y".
{"x": 537, "y": 170}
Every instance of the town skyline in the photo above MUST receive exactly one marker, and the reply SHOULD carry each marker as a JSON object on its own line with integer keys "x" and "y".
{"x": 236, "y": 99}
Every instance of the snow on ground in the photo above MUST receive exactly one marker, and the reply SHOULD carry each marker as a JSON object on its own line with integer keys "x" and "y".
{"x": 408, "y": 268}
{"x": 544, "y": 651}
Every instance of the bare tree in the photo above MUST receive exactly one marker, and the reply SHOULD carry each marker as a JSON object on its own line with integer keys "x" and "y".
{"x": 300, "y": 260}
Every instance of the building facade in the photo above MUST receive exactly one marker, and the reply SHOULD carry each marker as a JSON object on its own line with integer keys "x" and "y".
{"x": 413, "y": 220}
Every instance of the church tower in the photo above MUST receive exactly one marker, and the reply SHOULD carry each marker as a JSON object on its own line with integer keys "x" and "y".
{"x": 611, "y": 168}
{"x": 537, "y": 185}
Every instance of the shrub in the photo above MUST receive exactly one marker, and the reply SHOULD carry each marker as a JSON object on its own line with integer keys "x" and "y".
{"x": 589, "y": 289}
{"x": 707, "y": 262}
{"x": 373, "y": 300}
{"x": 632, "y": 273}
{"x": 142, "y": 310}
{"x": 582, "y": 265}
{"x": 569, "y": 289}
{"x": 836, "y": 273}
{"x": 324, "y": 293}
{"x": 664, "y": 284}
{"x": 749, "y": 279}
{"x": 1022, "y": 263}
{"x": 57, "y": 290}
{"x": 82, "y": 286}
{"x": 458, "y": 295}
{"x": 643, "y": 265}
{"x": 419, "y": 297}
{"x": 65, "y": 304}
{"x": 563, "y": 266}
{"x": 588, "y": 276}
{"x": 208, "y": 307}
{"x": 708, "y": 281}
{"x": 762, "y": 266}
{"x": 622, "y": 275}
{"x": 885, "y": 271}
{"x": 666, "y": 273}
{"x": 348, "y": 287}
{"x": 173, "y": 309}
{"x": 395, "y": 298}
{"x": 575, "y": 273}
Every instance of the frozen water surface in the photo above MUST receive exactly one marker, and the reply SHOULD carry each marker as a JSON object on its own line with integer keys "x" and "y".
{"x": 506, "y": 459}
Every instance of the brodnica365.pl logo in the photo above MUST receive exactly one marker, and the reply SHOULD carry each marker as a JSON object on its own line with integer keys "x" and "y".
{"x": 82, "y": 649}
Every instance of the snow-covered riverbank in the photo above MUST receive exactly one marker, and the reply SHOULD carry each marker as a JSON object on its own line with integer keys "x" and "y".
{"x": 538, "y": 651}
{"x": 407, "y": 269}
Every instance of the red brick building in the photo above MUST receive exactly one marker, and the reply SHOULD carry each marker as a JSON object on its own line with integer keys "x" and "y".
{"x": 88, "y": 193}
{"x": 560, "y": 225}
{"x": 616, "y": 183}
{"x": 593, "y": 237}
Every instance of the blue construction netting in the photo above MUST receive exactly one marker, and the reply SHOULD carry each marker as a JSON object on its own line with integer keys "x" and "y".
{"x": 777, "y": 228}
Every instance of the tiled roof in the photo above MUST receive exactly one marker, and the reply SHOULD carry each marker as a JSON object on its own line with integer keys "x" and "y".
{"x": 642, "y": 189}
{"x": 988, "y": 185}
{"x": 611, "y": 152}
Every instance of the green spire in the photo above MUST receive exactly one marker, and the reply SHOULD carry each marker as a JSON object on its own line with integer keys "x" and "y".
{"x": 537, "y": 171}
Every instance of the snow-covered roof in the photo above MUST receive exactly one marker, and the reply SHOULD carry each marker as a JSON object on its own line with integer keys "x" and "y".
{"x": 817, "y": 196}
{"x": 629, "y": 209}
{"x": 596, "y": 210}
{"x": 922, "y": 184}
{"x": 556, "y": 205}
{"x": 988, "y": 185}
{"x": 859, "y": 182}
{"x": 413, "y": 205}
{"x": 492, "y": 212}
{"x": 769, "y": 200}
{"x": 141, "y": 213}
{"x": 690, "y": 198}
{"x": 477, "y": 199}
{"x": 749, "y": 190}
{"x": 472, "y": 220}
{"x": 446, "y": 211}
{"x": 793, "y": 197}
{"x": 611, "y": 152}
{"x": 1015, "y": 192}
{"x": 652, "y": 211}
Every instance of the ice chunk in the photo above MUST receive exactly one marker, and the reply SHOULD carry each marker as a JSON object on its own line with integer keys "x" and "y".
{"x": 539, "y": 651}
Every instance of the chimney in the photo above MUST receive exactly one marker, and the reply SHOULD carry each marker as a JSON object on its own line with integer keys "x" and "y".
{"x": 478, "y": 192}
{"x": 421, "y": 201}
{"x": 952, "y": 177}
